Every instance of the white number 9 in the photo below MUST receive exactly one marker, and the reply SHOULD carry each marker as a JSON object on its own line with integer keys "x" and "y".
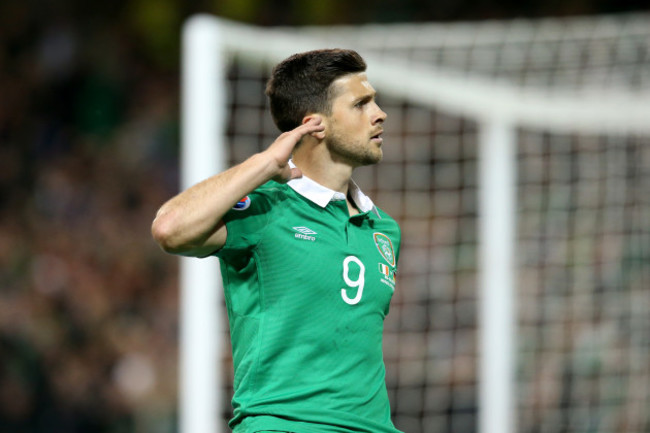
{"x": 358, "y": 283}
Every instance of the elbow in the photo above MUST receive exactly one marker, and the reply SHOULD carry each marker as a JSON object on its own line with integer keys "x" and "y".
{"x": 164, "y": 233}
{"x": 176, "y": 236}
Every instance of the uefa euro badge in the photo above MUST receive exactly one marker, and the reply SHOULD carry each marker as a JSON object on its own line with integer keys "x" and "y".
{"x": 242, "y": 204}
{"x": 385, "y": 247}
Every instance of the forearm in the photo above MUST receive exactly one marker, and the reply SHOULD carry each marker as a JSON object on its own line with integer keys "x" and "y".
{"x": 190, "y": 223}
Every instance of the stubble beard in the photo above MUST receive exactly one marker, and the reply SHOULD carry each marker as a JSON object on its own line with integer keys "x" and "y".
{"x": 355, "y": 153}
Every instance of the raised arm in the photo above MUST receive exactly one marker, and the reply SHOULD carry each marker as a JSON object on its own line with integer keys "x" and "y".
{"x": 190, "y": 223}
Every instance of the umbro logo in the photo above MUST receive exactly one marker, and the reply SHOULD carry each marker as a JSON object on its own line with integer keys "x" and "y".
{"x": 305, "y": 230}
{"x": 305, "y": 233}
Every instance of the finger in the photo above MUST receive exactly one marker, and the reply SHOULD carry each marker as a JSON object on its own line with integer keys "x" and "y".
{"x": 295, "y": 135}
{"x": 312, "y": 120}
{"x": 287, "y": 140}
{"x": 308, "y": 129}
{"x": 313, "y": 131}
{"x": 313, "y": 124}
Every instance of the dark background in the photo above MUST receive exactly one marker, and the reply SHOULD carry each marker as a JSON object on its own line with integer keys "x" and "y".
{"x": 89, "y": 139}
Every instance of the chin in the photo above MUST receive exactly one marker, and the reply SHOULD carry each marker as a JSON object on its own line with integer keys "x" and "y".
{"x": 373, "y": 158}
{"x": 379, "y": 155}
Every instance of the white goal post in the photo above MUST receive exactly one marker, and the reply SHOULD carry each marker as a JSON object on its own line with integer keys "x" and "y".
{"x": 409, "y": 63}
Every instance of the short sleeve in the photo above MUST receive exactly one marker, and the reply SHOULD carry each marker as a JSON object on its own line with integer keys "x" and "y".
{"x": 247, "y": 220}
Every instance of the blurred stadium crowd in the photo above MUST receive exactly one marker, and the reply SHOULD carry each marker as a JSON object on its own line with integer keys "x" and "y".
{"x": 88, "y": 151}
{"x": 88, "y": 304}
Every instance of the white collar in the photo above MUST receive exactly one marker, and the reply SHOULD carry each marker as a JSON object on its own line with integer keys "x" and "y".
{"x": 321, "y": 195}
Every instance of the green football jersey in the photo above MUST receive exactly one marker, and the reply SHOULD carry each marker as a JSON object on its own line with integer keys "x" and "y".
{"x": 307, "y": 287}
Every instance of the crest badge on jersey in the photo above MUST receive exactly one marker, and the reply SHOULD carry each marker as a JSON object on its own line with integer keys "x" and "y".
{"x": 385, "y": 247}
{"x": 242, "y": 204}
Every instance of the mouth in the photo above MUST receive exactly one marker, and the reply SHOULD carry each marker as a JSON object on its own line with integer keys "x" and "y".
{"x": 376, "y": 138}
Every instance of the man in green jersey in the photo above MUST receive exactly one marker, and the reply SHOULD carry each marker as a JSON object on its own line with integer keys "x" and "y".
{"x": 308, "y": 261}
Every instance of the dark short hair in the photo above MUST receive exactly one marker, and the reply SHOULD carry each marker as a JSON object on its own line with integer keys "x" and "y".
{"x": 301, "y": 84}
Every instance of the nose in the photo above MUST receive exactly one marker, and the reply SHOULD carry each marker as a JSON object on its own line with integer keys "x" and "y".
{"x": 379, "y": 116}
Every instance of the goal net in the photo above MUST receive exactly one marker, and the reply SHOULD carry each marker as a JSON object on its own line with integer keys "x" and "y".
{"x": 517, "y": 162}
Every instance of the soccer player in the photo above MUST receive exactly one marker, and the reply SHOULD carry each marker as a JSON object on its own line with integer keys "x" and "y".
{"x": 308, "y": 261}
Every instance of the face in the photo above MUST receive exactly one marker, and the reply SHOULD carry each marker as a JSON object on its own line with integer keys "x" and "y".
{"x": 356, "y": 122}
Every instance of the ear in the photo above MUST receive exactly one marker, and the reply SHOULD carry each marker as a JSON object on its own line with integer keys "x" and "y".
{"x": 320, "y": 135}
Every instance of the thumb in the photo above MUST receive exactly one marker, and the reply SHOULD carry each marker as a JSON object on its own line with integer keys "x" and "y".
{"x": 287, "y": 174}
{"x": 295, "y": 173}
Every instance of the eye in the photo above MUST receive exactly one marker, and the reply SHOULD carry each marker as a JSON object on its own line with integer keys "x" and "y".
{"x": 362, "y": 102}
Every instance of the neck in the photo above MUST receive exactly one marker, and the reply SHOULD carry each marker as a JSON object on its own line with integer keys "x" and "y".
{"x": 317, "y": 164}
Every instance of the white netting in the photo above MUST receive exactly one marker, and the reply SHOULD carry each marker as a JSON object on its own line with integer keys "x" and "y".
{"x": 577, "y": 90}
{"x": 584, "y": 243}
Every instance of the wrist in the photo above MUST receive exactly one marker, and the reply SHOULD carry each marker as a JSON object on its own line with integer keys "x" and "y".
{"x": 265, "y": 165}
